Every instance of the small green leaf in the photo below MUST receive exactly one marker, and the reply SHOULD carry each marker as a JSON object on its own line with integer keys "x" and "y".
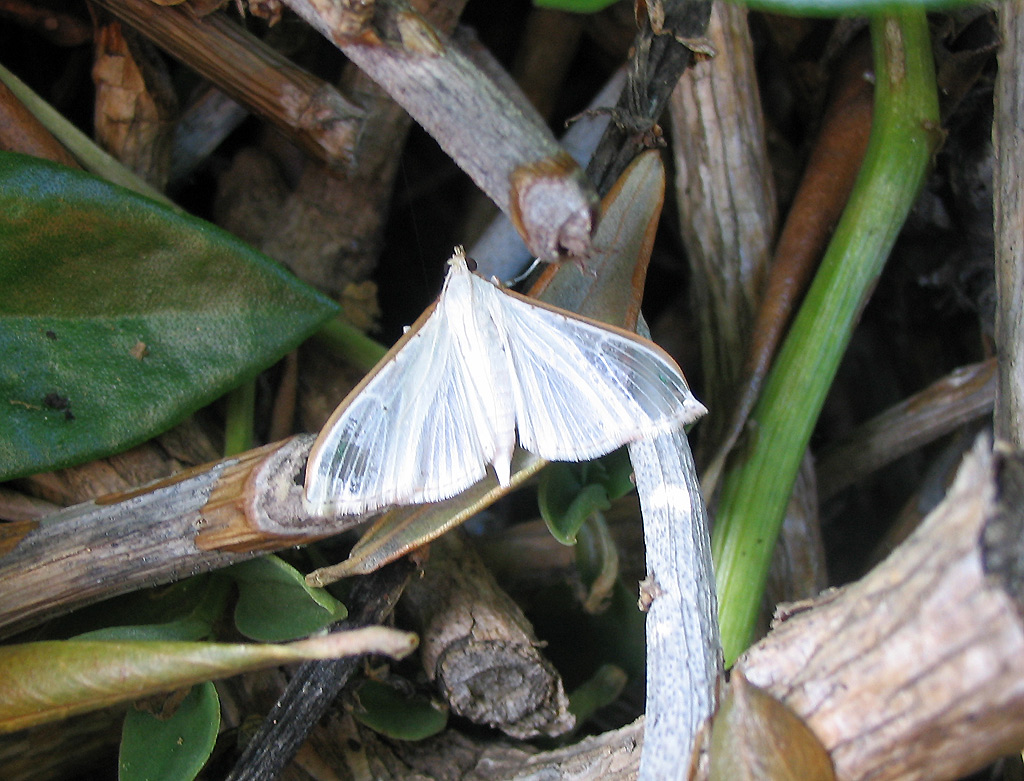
{"x": 601, "y": 689}
{"x": 194, "y": 623}
{"x": 575, "y": 6}
{"x": 171, "y": 749}
{"x": 616, "y": 473}
{"x": 386, "y": 710}
{"x": 120, "y": 316}
{"x": 275, "y": 604}
{"x": 569, "y": 493}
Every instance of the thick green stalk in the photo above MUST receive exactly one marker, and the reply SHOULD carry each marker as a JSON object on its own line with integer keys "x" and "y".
{"x": 755, "y": 493}
{"x": 241, "y": 409}
{"x": 351, "y": 344}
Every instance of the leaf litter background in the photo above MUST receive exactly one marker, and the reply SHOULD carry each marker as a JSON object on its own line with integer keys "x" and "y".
{"x": 931, "y": 313}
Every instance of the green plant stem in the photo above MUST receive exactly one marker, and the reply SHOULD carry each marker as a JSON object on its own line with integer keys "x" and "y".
{"x": 756, "y": 491}
{"x": 238, "y": 434}
{"x": 351, "y": 344}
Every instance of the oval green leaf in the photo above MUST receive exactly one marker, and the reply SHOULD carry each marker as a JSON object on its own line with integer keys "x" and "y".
{"x": 170, "y": 749}
{"x": 275, "y": 604}
{"x": 390, "y": 712}
{"x": 120, "y": 316}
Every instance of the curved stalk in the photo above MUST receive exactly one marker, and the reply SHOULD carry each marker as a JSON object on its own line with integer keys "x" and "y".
{"x": 755, "y": 493}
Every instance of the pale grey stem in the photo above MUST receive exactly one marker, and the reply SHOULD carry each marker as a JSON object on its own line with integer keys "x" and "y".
{"x": 1008, "y": 138}
{"x": 684, "y": 652}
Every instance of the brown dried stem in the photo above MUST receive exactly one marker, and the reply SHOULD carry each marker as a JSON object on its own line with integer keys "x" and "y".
{"x": 916, "y": 670}
{"x": 965, "y": 395}
{"x": 726, "y": 199}
{"x": 196, "y": 521}
{"x": 306, "y": 109}
{"x": 505, "y": 149}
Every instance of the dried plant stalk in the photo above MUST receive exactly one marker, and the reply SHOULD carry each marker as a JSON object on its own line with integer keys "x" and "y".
{"x": 474, "y": 637}
{"x": 958, "y": 398}
{"x": 1009, "y": 216}
{"x": 726, "y": 199}
{"x": 196, "y": 521}
{"x": 307, "y": 110}
{"x": 917, "y": 670}
{"x": 506, "y": 150}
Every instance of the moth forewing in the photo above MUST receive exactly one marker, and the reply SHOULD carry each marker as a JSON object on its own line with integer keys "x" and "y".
{"x": 592, "y": 387}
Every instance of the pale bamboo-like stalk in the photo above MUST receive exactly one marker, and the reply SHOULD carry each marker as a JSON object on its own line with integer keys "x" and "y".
{"x": 306, "y": 109}
{"x": 1008, "y": 200}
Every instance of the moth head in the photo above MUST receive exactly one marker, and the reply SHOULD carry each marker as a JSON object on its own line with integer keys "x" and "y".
{"x": 460, "y": 261}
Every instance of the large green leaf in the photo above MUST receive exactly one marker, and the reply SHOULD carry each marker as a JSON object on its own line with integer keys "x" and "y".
{"x": 119, "y": 317}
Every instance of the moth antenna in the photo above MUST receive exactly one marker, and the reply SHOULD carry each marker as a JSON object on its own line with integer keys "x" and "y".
{"x": 523, "y": 274}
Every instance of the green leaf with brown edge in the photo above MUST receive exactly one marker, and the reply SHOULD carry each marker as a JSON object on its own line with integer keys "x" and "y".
{"x": 120, "y": 316}
{"x": 174, "y": 748}
{"x": 756, "y": 736}
{"x": 52, "y": 680}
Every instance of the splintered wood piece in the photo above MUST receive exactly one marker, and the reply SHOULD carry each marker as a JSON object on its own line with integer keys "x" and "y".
{"x": 916, "y": 671}
{"x": 309, "y": 111}
{"x": 726, "y": 199}
{"x": 506, "y": 150}
{"x": 196, "y": 521}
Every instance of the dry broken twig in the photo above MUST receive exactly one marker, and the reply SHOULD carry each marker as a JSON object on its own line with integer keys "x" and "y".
{"x": 506, "y": 150}
{"x": 960, "y": 397}
{"x": 916, "y": 670}
{"x": 196, "y": 521}
{"x": 306, "y": 109}
{"x": 1008, "y": 201}
{"x": 479, "y": 648}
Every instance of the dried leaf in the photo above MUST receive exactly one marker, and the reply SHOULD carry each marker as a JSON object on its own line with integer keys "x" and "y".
{"x": 757, "y": 737}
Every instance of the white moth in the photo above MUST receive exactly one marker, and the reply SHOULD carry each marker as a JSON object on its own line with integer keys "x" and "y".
{"x": 480, "y": 365}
